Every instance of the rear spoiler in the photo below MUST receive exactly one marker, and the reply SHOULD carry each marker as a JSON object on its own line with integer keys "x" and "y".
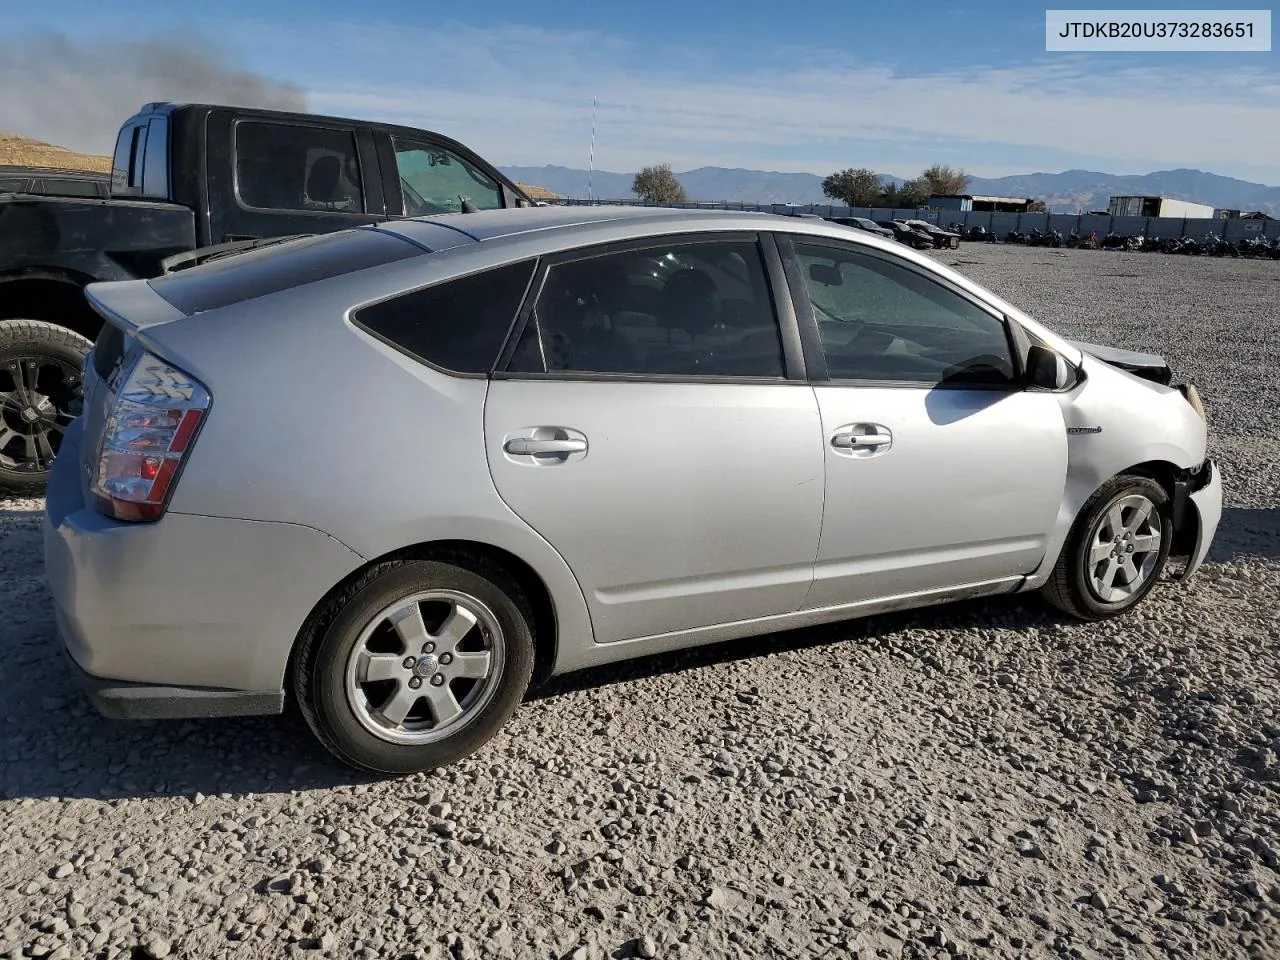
{"x": 130, "y": 305}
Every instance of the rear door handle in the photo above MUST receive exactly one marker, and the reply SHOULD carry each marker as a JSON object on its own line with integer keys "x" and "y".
{"x": 528, "y": 447}
{"x": 848, "y": 441}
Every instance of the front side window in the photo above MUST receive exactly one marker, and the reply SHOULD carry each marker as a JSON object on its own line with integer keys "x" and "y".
{"x": 683, "y": 309}
{"x": 879, "y": 320}
{"x": 283, "y": 166}
{"x": 436, "y": 180}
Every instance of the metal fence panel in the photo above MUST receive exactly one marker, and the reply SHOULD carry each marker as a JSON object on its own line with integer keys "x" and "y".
{"x": 1243, "y": 229}
{"x": 1002, "y": 223}
{"x": 1199, "y": 226}
{"x": 1164, "y": 227}
{"x": 1064, "y": 223}
{"x": 998, "y": 223}
{"x": 1128, "y": 226}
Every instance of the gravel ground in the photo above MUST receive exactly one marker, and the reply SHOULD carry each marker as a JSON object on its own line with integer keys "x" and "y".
{"x": 981, "y": 780}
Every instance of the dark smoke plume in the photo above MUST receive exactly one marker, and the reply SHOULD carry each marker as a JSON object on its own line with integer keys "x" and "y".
{"x": 76, "y": 93}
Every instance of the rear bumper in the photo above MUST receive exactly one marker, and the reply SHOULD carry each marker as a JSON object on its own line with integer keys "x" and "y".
{"x": 122, "y": 700}
{"x": 190, "y": 616}
{"x": 1204, "y": 501}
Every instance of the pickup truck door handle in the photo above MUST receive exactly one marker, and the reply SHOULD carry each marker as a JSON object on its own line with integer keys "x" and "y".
{"x": 528, "y": 447}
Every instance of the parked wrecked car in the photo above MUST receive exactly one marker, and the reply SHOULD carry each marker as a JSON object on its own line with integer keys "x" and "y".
{"x": 400, "y": 472}
{"x": 905, "y": 233}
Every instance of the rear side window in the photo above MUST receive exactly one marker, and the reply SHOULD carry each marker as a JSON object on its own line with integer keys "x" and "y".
{"x": 126, "y": 164}
{"x": 69, "y": 188}
{"x": 257, "y": 273}
{"x": 155, "y": 165}
{"x": 296, "y": 167}
{"x": 459, "y": 325}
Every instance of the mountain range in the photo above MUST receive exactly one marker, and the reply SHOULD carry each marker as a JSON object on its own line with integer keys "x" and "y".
{"x": 1072, "y": 191}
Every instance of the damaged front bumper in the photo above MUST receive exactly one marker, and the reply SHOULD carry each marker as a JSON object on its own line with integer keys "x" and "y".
{"x": 1197, "y": 510}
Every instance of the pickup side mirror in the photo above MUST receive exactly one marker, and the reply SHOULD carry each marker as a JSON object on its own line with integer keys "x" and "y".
{"x": 1048, "y": 370}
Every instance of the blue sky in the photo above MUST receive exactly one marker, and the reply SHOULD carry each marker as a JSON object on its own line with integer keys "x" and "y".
{"x": 797, "y": 85}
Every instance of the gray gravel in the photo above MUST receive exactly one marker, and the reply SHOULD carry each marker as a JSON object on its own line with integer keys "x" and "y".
{"x": 981, "y": 780}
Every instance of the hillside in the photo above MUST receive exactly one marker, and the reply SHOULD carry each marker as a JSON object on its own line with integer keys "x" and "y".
{"x": 24, "y": 152}
{"x": 1069, "y": 192}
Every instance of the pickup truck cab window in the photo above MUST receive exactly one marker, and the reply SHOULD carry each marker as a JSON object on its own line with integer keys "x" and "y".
{"x": 287, "y": 166}
{"x": 154, "y": 175}
{"x": 436, "y": 180}
{"x": 126, "y": 164}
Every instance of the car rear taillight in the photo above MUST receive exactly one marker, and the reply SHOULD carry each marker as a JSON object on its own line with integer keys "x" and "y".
{"x": 149, "y": 431}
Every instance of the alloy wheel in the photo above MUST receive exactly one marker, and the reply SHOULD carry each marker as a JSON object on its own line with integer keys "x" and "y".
{"x": 425, "y": 666}
{"x": 1124, "y": 548}
{"x": 39, "y": 397}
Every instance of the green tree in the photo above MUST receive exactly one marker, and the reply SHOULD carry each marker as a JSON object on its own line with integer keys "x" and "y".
{"x": 857, "y": 188}
{"x": 940, "y": 181}
{"x": 658, "y": 184}
{"x": 912, "y": 193}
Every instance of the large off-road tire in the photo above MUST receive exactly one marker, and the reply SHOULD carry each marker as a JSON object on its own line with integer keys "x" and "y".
{"x": 1115, "y": 552}
{"x": 416, "y": 664}
{"x": 41, "y": 391}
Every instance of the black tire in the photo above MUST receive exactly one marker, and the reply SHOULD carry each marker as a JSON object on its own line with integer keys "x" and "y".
{"x": 1069, "y": 588}
{"x": 55, "y": 351}
{"x": 328, "y": 640}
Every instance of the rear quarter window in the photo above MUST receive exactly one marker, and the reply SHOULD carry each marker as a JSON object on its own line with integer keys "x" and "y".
{"x": 258, "y": 273}
{"x": 459, "y": 325}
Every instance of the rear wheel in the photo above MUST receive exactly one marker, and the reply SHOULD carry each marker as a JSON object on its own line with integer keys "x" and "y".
{"x": 41, "y": 392}
{"x": 416, "y": 665}
{"x": 1116, "y": 551}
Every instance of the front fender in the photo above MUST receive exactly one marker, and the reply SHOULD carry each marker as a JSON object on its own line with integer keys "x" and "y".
{"x": 1116, "y": 423}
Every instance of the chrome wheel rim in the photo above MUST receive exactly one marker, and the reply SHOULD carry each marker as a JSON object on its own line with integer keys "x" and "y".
{"x": 425, "y": 666}
{"x": 39, "y": 397}
{"x": 1124, "y": 547}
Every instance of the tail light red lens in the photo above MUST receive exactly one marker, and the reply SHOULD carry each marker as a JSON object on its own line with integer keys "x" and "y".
{"x": 149, "y": 431}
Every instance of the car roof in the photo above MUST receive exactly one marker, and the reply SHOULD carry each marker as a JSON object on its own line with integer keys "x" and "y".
{"x": 497, "y": 224}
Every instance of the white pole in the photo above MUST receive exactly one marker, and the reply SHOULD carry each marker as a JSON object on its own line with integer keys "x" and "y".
{"x": 591, "y": 163}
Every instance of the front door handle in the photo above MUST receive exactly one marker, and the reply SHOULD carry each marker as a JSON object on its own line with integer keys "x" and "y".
{"x": 528, "y": 447}
{"x": 849, "y": 441}
{"x": 862, "y": 440}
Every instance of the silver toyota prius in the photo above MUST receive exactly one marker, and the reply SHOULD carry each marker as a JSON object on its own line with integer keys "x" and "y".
{"x": 400, "y": 472}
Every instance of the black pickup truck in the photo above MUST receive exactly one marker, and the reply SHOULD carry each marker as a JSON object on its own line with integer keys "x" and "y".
{"x": 190, "y": 182}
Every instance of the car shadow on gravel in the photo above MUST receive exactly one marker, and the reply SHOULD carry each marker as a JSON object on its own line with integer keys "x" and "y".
{"x": 1247, "y": 533}
{"x": 1243, "y": 534}
{"x": 80, "y": 755}
{"x": 54, "y": 744}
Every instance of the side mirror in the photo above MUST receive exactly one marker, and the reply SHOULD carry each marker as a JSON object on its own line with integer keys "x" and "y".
{"x": 1048, "y": 370}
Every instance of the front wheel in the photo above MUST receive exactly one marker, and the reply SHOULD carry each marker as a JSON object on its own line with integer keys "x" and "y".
{"x": 41, "y": 392}
{"x": 416, "y": 665}
{"x": 1115, "y": 552}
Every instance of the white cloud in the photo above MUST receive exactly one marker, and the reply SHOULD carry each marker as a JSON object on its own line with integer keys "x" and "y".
{"x": 523, "y": 96}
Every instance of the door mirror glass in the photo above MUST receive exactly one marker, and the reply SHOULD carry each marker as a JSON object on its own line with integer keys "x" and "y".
{"x": 1048, "y": 370}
